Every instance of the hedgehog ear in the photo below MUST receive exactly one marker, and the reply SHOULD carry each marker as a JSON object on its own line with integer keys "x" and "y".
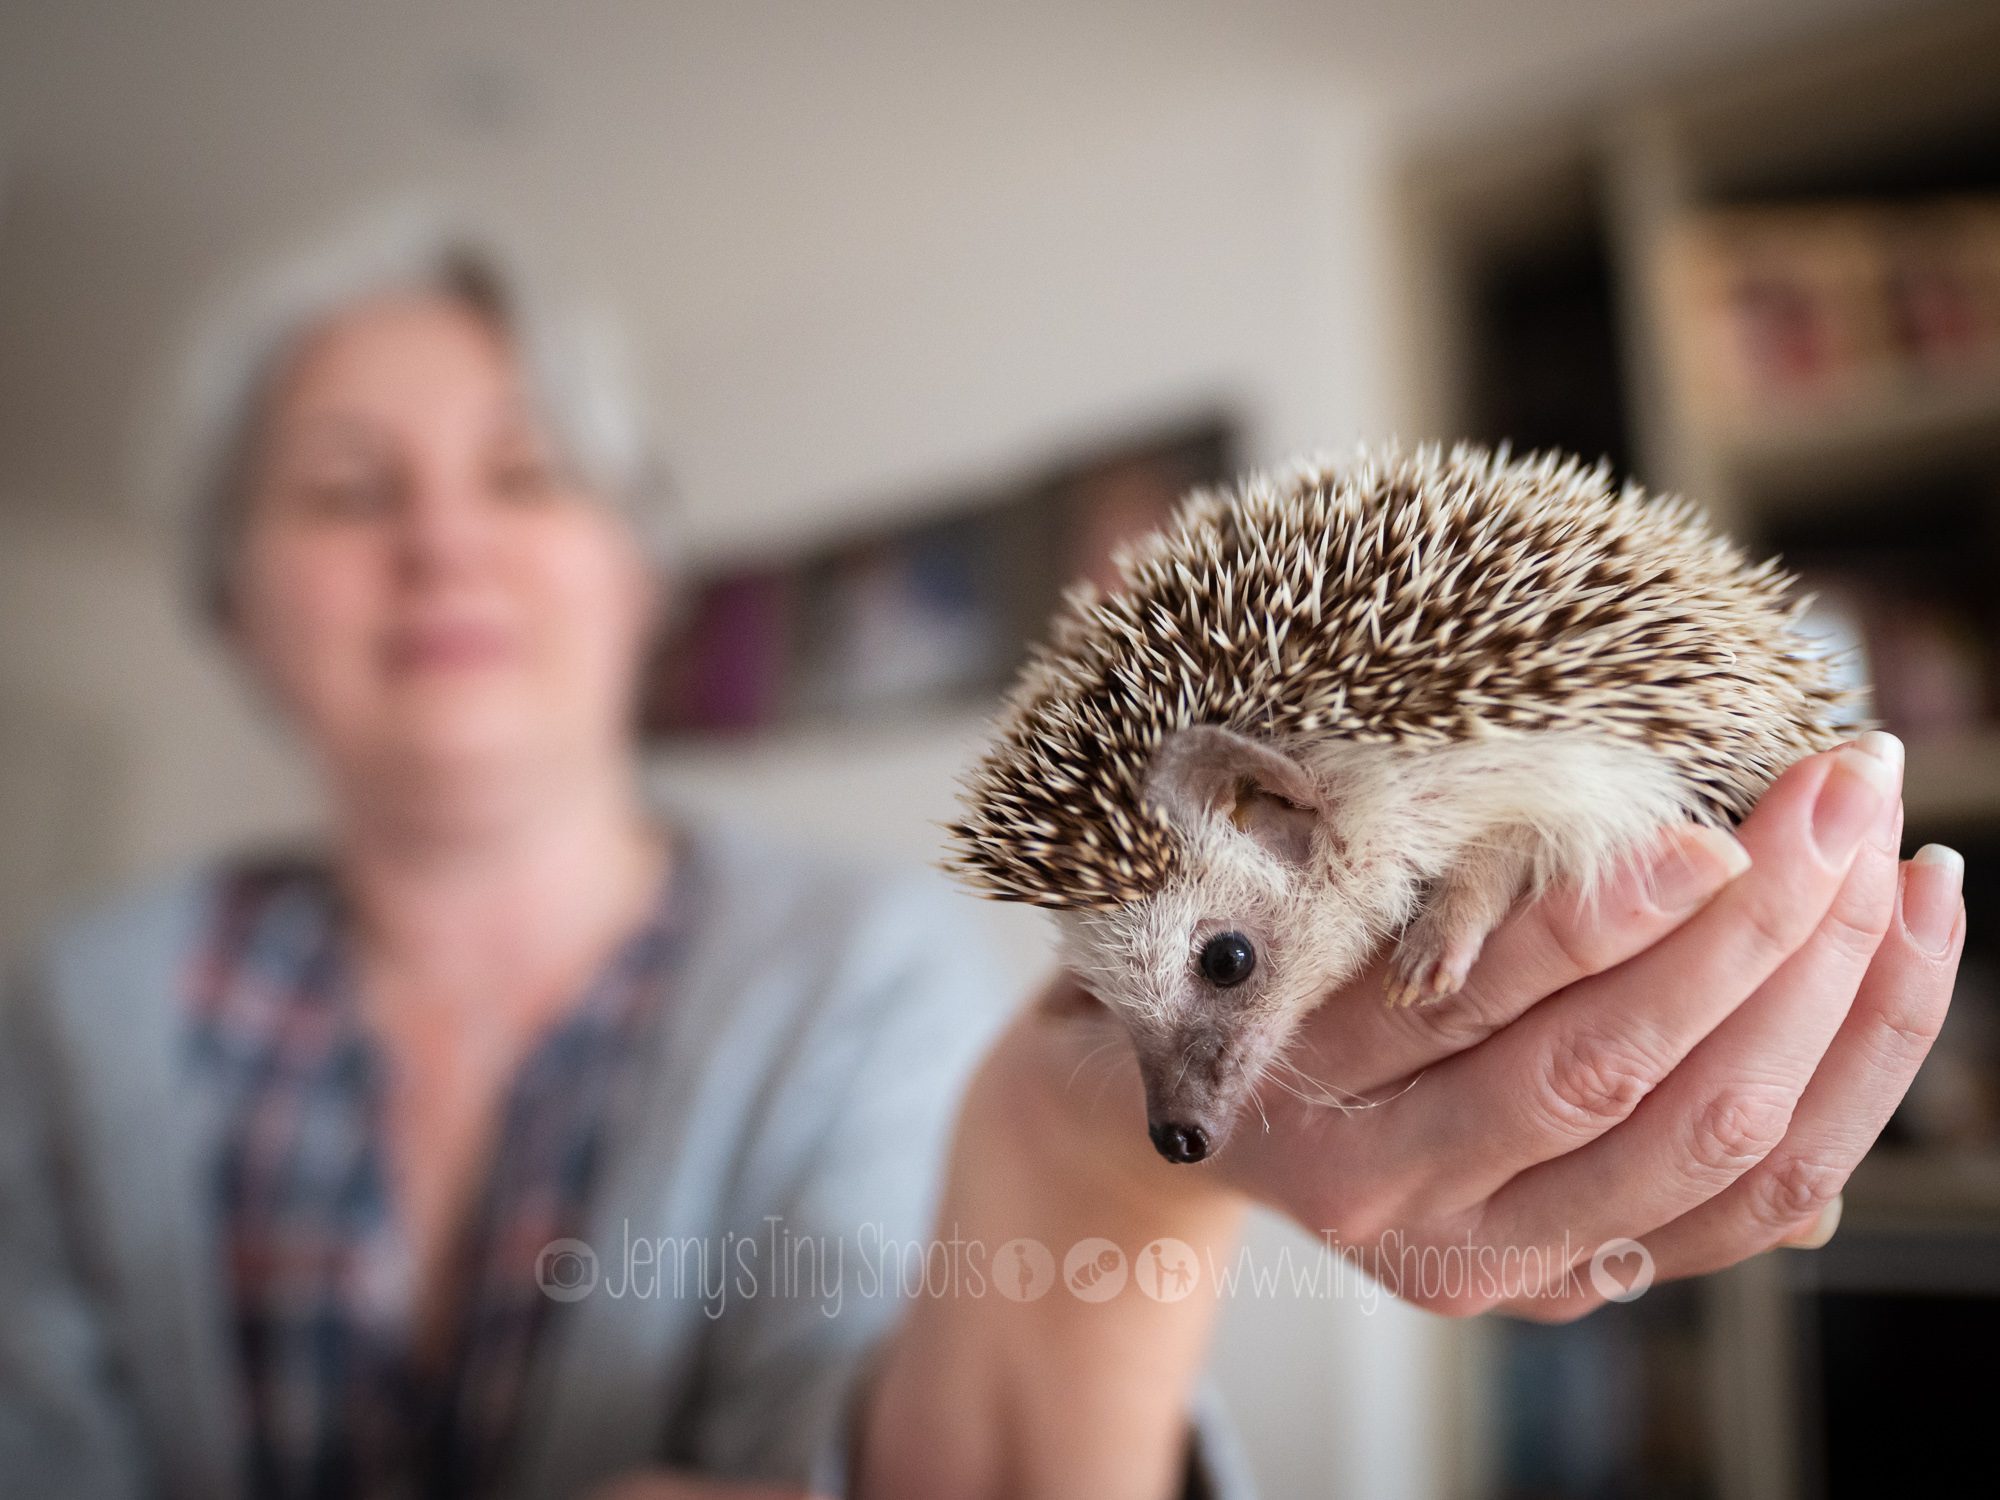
{"x": 1207, "y": 770}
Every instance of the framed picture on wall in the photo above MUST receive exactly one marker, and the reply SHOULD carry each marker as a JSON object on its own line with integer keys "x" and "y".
{"x": 936, "y": 610}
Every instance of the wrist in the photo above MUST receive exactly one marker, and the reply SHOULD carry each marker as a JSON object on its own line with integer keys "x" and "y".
{"x": 1046, "y": 1389}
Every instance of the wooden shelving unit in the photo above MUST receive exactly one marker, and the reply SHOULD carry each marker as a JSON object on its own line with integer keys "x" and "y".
{"x": 1800, "y": 455}
{"x": 1539, "y": 309}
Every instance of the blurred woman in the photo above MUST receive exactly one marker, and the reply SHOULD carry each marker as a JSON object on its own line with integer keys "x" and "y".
{"x": 526, "y": 1139}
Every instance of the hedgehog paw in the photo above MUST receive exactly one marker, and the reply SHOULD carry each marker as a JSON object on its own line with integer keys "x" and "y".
{"x": 1438, "y": 948}
{"x": 1423, "y": 973}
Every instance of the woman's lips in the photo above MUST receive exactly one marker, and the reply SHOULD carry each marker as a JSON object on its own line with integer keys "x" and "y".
{"x": 446, "y": 648}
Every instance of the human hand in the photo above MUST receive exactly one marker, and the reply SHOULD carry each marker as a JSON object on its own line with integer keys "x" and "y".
{"x": 1697, "y": 1062}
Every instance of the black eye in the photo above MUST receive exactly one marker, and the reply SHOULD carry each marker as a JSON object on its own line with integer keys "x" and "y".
{"x": 1227, "y": 958}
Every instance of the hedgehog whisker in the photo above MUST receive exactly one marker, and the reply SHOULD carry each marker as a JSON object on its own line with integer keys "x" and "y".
{"x": 1260, "y": 1111}
{"x": 1319, "y": 1096}
{"x": 1088, "y": 1058}
{"x": 1352, "y": 1102}
{"x": 1317, "y": 1083}
{"x": 1317, "y": 1101}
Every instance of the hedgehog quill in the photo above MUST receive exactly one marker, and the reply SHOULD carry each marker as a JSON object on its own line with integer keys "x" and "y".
{"x": 1341, "y": 707}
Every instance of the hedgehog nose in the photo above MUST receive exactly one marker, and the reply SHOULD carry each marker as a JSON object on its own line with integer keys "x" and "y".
{"x": 1179, "y": 1142}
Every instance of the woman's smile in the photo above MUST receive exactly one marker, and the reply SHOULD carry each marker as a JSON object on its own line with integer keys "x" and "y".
{"x": 447, "y": 647}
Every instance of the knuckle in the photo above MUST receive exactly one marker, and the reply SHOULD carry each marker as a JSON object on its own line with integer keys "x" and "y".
{"x": 1855, "y": 929}
{"x": 1577, "y": 945}
{"x": 1774, "y": 927}
{"x": 1904, "y": 1032}
{"x": 1455, "y": 1022}
{"x": 1740, "y": 1128}
{"x": 1593, "y": 1081}
{"x": 1795, "y": 1188}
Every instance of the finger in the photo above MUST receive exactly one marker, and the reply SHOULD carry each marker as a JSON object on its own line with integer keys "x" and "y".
{"x": 1726, "y": 1107}
{"x": 1579, "y": 1063}
{"x": 1867, "y": 1069}
{"x": 1547, "y": 945}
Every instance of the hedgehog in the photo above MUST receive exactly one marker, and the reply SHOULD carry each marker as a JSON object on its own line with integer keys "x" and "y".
{"x": 1335, "y": 707}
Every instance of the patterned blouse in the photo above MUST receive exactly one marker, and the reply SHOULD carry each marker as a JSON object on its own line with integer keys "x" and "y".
{"x": 323, "y": 1284}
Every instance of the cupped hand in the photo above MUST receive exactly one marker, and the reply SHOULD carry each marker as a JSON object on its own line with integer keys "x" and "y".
{"x": 1695, "y": 1060}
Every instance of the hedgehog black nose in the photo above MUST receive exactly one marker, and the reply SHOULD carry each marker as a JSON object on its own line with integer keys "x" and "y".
{"x": 1180, "y": 1142}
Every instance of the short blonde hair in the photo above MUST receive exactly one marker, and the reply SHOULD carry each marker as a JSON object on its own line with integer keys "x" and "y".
{"x": 573, "y": 364}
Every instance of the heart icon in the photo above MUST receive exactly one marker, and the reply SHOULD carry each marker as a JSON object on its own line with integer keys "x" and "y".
{"x": 1621, "y": 1270}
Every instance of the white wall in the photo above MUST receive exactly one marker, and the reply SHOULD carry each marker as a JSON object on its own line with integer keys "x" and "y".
{"x": 136, "y": 749}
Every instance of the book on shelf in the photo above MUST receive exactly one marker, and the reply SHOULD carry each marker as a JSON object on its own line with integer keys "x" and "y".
{"x": 1778, "y": 310}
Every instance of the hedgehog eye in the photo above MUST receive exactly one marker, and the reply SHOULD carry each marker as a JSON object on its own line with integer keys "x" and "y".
{"x": 1227, "y": 959}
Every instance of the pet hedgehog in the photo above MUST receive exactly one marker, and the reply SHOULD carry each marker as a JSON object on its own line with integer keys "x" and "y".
{"x": 1338, "y": 706}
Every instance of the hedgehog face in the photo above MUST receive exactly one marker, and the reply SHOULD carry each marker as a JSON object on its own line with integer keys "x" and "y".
{"x": 1212, "y": 973}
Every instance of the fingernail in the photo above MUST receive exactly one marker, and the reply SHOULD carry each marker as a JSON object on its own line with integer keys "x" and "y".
{"x": 1700, "y": 862}
{"x": 1862, "y": 779}
{"x": 1822, "y": 1227}
{"x": 1887, "y": 748}
{"x": 1884, "y": 746}
{"x": 1931, "y": 887}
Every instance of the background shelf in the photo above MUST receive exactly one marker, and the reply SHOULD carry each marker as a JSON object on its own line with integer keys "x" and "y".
{"x": 1882, "y": 435}
{"x": 1557, "y": 296}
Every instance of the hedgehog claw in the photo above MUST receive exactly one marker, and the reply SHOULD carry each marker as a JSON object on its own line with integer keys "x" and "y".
{"x": 1425, "y": 979}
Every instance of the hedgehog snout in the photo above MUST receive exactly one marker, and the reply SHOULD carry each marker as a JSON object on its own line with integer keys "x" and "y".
{"x": 1195, "y": 1079}
{"x": 1180, "y": 1143}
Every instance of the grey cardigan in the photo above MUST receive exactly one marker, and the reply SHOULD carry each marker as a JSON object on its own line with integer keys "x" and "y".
{"x": 796, "y": 1110}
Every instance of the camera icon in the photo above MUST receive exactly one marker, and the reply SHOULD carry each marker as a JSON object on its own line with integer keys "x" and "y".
{"x": 566, "y": 1270}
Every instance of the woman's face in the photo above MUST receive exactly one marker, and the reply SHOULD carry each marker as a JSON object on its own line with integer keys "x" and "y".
{"x": 421, "y": 580}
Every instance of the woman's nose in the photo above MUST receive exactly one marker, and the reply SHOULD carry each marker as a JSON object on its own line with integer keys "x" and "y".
{"x": 444, "y": 527}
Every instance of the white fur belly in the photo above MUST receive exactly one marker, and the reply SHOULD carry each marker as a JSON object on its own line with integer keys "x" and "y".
{"x": 1572, "y": 803}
